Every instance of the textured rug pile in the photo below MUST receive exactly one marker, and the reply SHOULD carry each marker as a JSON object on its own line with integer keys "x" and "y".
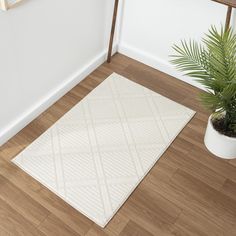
{"x": 98, "y": 152}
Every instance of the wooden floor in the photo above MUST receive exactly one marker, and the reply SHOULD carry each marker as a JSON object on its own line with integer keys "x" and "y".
{"x": 188, "y": 192}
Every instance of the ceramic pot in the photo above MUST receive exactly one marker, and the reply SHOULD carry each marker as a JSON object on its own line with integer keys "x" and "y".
{"x": 219, "y": 144}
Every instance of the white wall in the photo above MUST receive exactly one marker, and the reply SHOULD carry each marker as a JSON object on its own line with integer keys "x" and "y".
{"x": 47, "y": 47}
{"x": 150, "y": 27}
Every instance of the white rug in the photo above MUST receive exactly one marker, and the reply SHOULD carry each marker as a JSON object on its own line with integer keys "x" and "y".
{"x": 98, "y": 152}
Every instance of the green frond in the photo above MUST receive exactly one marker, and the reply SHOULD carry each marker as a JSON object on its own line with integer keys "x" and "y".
{"x": 211, "y": 101}
{"x": 222, "y": 49}
{"x": 213, "y": 64}
{"x": 189, "y": 59}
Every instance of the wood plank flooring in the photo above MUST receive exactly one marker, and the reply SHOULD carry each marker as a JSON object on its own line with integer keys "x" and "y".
{"x": 188, "y": 192}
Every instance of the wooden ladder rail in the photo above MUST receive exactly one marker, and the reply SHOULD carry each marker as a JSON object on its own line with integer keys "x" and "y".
{"x": 113, "y": 27}
{"x": 228, "y": 17}
{"x": 230, "y": 4}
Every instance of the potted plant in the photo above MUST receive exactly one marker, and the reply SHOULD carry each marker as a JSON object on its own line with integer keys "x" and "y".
{"x": 213, "y": 64}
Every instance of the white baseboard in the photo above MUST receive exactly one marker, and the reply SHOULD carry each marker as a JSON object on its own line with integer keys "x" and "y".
{"x": 156, "y": 63}
{"x": 35, "y": 110}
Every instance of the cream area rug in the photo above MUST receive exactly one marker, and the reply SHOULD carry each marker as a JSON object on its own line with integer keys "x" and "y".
{"x": 98, "y": 152}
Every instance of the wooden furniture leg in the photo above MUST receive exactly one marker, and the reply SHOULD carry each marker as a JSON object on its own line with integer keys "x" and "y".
{"x": 112, "y": 30}
{"x": 228, "y": 17}
{"x": 231, "y": 4}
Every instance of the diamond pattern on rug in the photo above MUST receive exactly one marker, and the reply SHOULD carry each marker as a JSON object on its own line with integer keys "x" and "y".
{"x": 98, "y": 152}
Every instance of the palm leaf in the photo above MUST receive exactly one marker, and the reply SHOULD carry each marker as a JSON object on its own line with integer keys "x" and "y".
{"x": 213, "y": 64}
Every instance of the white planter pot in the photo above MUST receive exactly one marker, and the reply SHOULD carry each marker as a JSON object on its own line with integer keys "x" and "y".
{"x": 219, "y": 144}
